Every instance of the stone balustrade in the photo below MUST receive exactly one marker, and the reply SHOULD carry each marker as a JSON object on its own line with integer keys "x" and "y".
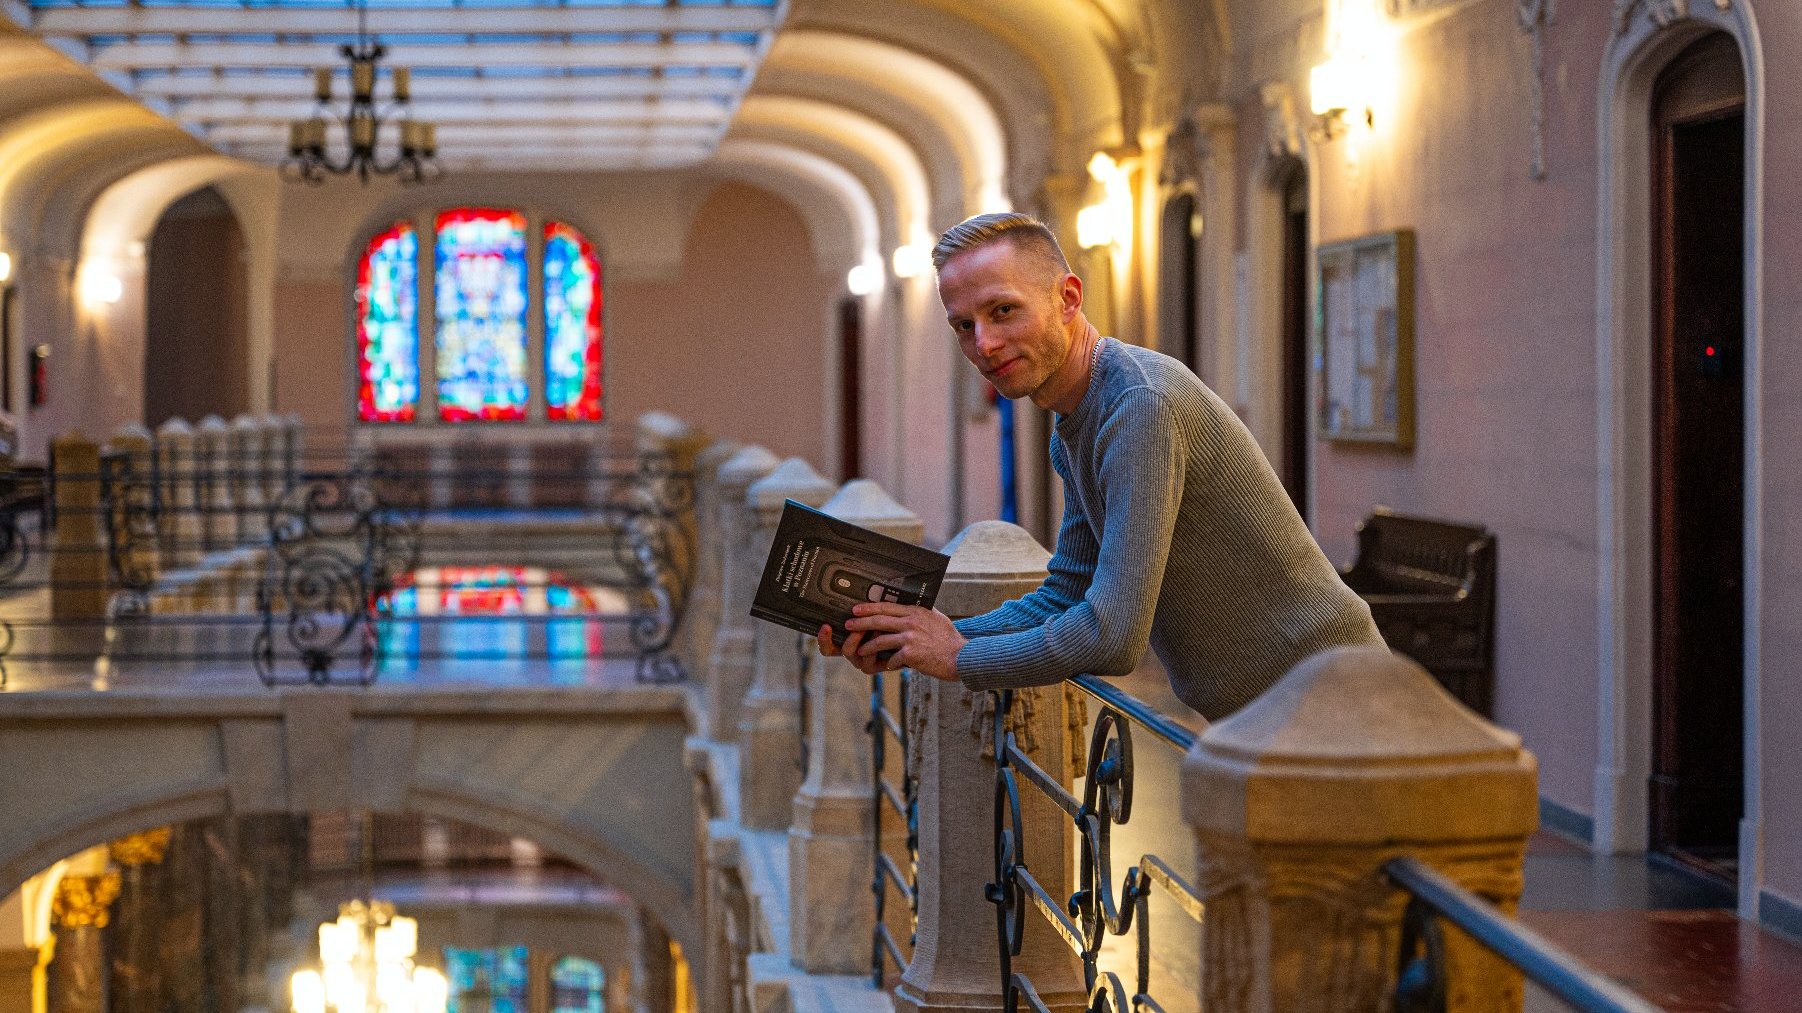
{"x": 730, "y": 666}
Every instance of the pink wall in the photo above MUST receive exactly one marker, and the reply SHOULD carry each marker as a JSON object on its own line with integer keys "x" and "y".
{"x": 1504, "y": 349}
{"x": 733, "y": 340}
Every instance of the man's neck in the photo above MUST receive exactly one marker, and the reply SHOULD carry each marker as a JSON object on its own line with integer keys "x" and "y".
{"x": 1063, "y": 392}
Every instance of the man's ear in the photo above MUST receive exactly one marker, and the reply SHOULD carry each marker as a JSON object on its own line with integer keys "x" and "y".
{"x": 1069, "y": 296}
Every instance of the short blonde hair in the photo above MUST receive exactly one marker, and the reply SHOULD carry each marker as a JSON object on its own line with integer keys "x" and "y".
{"x": 1024, "y": 232}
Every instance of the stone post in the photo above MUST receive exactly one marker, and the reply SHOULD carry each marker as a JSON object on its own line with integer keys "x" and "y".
{"x": 1356, "y": 757}
{"x": 131, "y": 518}
{"x": 78, "y": 913}
{"x": 956, "y": 963}
{"x": 253, "y": 515}
{"x": 293, "y": 455}
{"x": 703, "y": 618}
{"x": 218, "y": 470}
{"x": 179, "y": 472}
{"x": 78, "y": 565}
{"x": 270, "y": 454}
{"x": 729, "y": 667}
{"x": 831, "y": 914}
{"x": 769, "y": 730}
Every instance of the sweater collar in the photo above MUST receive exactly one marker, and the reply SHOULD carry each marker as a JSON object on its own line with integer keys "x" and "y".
{"x": 1104, "y": 355}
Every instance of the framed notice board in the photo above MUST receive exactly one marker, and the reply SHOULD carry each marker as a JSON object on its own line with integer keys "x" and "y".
{"x": 1366, "y": 339}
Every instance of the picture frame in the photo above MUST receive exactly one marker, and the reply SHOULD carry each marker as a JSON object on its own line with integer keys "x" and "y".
{"x": 1364, "y": 351}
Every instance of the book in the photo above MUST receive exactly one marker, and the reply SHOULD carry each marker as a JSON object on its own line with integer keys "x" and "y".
{"x": 821, "y": 566}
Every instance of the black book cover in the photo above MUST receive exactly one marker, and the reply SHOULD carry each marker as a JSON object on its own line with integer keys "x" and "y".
{"x": 820, "y": 566}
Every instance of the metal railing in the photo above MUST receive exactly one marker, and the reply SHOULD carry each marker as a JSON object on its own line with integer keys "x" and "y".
{"x": 896, "y": 797}
{"x": 1095, "y": 911}
{"x": 1421, "y": 983}
{"x": 339, "y": 565}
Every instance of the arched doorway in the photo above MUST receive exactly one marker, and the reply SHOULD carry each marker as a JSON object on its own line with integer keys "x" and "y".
{"x": 196, "y": 349}
{"x": 1181, "y": 263}
{"x": 1696, "y": 788}
{"x": 1292, "y": 188}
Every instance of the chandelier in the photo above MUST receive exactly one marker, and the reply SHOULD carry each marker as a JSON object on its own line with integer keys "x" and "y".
{"x": 366, "y": 966}
{"x": 417, "y": 159}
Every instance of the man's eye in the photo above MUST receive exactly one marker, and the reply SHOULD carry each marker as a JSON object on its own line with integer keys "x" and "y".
{"x": 1003, "y": 310}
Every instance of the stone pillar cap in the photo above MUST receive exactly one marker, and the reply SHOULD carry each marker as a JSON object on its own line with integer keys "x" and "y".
{"x": 246, "y": 421}
{"x": 708, "y": 461}
{"x": 212, "y": 423}
{"x": 271, "y": 420}
{"x": 176, "y": 427}
{"x": 1359, "y": 746}
{"x": 748, "y": 465}
{"x": 793, "y": 479}
{"x": 132, "y": 431}
{"x": 664, "y": 426}
{"x": 862, "y": 501}
{"x": 992, "y": 562}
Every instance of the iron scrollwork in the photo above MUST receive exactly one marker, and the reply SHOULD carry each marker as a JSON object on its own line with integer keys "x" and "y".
{"x": 897, "y": 801}
{"x": 1096, "y": 910}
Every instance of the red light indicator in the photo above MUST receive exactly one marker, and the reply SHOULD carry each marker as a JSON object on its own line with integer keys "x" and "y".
{"x": 1709, "y": 351}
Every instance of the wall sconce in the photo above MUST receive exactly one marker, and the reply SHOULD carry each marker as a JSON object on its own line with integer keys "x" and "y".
{"x": 100, "y": 286}
{"x": 1109, "y": 220}
{"x": 1360, "y": 62}
{"x": 912, "y": 260}
{"x": 864, "y": 278}
{"x": 6, "y": 267}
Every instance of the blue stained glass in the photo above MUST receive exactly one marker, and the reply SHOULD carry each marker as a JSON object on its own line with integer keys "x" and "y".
{"x": 491, "y": 981}
{"x": 481, "y": 299}
{"x": 572, "y": 326}
{"x": 387, "y": 326}
{"x": 578, "y": 986}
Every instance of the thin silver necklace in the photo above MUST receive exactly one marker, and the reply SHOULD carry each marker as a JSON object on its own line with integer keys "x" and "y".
{"x": 1094, "y": 356}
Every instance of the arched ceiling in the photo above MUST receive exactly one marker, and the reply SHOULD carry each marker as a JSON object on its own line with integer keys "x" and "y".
{"x": 843, "y": 226}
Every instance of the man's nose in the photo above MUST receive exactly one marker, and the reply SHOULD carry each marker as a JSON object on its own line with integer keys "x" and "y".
{"x": 988, "y": 341}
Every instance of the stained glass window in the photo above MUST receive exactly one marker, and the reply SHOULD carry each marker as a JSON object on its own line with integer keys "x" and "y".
{"x": 481, "y": 300}
{"x": 572, "y": 326}
{"x": 489, "y": 981}
{"x": 578, "y": 985}
{"x": 387, "y": 326}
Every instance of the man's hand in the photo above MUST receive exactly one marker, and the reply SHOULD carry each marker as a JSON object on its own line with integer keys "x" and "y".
{"x": 922, "y": 639}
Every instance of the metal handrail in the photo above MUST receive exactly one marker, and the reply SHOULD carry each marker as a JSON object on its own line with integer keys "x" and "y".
{"x": 1141, "y": 713}
{"x": 1542, "y": 962}
{"x": 901, "y": 802}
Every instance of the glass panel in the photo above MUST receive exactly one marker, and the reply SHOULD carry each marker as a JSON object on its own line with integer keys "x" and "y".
{"x": 578, "y": 985}
{"x": 486, "y": 981}
{"x": 481, "y": 298}
{"x": 387, "y": 326}
{"x": 572, "y": 325}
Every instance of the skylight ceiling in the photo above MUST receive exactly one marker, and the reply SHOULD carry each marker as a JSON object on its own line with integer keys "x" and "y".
{"x": 591, "y": 84}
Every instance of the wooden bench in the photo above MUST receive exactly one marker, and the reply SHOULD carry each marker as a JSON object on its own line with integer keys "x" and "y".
{"x": 1431, "y": 588}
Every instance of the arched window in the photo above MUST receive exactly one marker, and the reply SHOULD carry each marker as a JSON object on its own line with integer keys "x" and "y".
{"x": 483, "y": 278}
{"x": 578, "y": 985}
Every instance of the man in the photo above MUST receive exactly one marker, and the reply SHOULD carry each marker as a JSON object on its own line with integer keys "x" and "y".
{"x": 1175, "y": 532}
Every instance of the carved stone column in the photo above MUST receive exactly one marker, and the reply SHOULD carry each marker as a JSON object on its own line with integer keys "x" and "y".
{"x": 78, "y": 565}
{"x": 247, "y": 444}
{"x": 270, "y": 453}
{"x": 219, "y": 470}
{"x": 769, "y": 743}
{"x": 703, "y": 618}
{"x": 179, "y": 472}
{"x": 1354, "y": 758}
{"x": 831, "y": 914}
{"x": 80, "y": 910}
{"x": 729, "y": 667}
{"x": 956, "y": 955}
{"x": 673, "y": 444}
{"x": 131, "y": 516}
{"x": 140, "y": 914}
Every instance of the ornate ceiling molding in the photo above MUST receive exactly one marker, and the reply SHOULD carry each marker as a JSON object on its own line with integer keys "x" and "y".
{"x": 1535, "y": 16}
{"x": 1660, "y": 12}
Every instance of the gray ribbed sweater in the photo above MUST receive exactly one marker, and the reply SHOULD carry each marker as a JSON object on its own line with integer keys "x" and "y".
{"x": 1176, "y": 532}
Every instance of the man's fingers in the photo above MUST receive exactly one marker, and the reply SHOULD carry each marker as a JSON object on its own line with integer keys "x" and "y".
{"x": 827, "y": 647}
{"x": 886, "y": 642}
{"x": 884, "y": 622}
{"x": 884, "y": 608}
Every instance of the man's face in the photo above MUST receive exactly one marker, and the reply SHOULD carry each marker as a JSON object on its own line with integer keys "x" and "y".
{"x": 1010, "y": 312}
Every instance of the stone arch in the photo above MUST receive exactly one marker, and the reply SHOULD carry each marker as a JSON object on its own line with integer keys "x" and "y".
{"x": 1646, "y": 36}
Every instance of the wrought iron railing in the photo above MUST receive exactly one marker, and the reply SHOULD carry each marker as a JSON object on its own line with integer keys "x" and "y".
{"x": 323, "y": 566}
{"x": 895, "y": 798}
{"x": 1421, "y": 984}
{"x": 1096, "y": 910}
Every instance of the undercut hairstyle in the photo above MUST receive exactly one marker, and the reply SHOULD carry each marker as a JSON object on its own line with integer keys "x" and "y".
{"x": 1025, "y": 233}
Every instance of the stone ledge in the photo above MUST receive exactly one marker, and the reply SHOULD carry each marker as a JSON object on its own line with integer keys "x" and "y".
{"x": 778, "y": 987}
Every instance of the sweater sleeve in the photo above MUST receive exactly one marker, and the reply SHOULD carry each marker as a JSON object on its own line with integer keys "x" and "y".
{"x": 1071, "y": 567}
{"x": 1140, "y": 466}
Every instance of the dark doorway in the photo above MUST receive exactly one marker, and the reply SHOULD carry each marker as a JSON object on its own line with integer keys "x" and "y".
{"x": 196, "y": 348}
{"x": 850, "y": 387}
{"x": 1698, "y": 467}
{"x": 1294, "y": 469}
{"x": 1181, "y": 261}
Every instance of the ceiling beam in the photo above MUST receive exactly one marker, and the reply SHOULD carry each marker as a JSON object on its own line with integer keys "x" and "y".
{"x": 474, "y": 110}
{"x": 213, "y": 20}
{"x": 449, "y": 137}
{"x": 146, "y": 55}
{"x": 253, "y": 85}
{"x": 508, "y": 156}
